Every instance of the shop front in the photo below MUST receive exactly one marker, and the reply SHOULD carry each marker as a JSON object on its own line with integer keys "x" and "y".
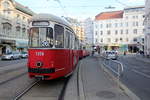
{"x": 6, "y": 46}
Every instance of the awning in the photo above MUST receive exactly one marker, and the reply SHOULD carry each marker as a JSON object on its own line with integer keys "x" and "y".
{"x": 21, "y": 44}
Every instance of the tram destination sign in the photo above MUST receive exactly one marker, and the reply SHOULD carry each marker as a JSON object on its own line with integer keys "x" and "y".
{"x": 40, "y": 23}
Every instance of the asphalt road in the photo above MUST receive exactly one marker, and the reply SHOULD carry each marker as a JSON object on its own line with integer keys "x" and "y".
{"x": 136, "y": 76}
{"x": 4, "y": 63}
{"x": 14, "y": 79}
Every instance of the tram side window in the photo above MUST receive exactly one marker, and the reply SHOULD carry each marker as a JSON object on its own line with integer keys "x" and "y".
{"x": 71, "y": 40}
{"x": 76, "y": 43}
{"x": 49, "y": 37}
{"x": 67, "y": 39}
{"x": 59, "y": 36}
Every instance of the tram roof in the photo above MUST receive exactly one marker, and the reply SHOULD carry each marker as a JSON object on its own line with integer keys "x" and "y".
{"x": 51, "y": 18}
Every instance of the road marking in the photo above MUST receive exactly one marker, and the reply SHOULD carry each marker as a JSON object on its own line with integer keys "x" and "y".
{"x": 143, "y": 74}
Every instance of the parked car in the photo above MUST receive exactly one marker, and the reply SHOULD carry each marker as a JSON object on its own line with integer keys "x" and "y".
{"x": 11, "y": 56}
{"x": 24, "y": 54}
{"x": 111, "y": 55}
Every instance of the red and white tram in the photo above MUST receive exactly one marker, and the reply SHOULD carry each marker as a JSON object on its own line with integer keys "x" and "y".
{"x": 53, "y": 47}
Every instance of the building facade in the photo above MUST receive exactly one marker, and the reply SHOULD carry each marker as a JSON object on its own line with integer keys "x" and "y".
{"x": 88, "y": 27}
{"x": 122, "y": 30}
{"x": 147, "y": 28}
{"x": 13, "y": 26}
{"x": 78, "y": 27}
{"x": 79, "y": 30}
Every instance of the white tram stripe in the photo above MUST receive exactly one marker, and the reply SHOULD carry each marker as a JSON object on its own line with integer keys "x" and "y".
{"x": 60, "y": 69}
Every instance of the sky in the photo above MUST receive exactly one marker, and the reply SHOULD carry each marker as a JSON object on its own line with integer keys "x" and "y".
{"x": 80, "y": 9}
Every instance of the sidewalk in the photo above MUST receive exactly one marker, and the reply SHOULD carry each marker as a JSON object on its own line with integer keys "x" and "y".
{"x": 92, "y": 83}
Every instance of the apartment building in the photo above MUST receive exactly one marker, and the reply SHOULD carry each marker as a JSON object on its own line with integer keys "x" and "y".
{"x": 147, "y": 28}
{"x": 122, "y": 30}
{"x": 88, "y": 28}
{"x": 14, "y": 26}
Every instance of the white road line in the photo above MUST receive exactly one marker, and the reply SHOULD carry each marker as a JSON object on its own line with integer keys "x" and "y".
{"x": 140, "y": 73}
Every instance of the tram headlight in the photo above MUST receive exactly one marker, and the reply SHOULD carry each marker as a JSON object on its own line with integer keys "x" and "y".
{"x": 39, "y": 64}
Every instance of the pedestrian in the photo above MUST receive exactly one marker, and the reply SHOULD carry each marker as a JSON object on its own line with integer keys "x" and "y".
{"x": 92, "y": 52}
{"x": 124, "y": 52}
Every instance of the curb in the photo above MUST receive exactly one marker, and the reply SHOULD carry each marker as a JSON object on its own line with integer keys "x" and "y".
{"x": 80, "y": 84}
{"x": 75, "y": 89}
{"x": 128, "y": 92}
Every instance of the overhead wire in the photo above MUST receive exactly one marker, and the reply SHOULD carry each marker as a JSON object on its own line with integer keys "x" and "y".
{"x": 121, "y": 3}
{"x": 62, "y": 7}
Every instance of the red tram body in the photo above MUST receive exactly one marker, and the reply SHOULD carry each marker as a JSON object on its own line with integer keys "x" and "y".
{"x": 53, "y": 48}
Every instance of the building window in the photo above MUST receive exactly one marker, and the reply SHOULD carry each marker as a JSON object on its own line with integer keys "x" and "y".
{"x": 116, "y": 25}
{"x": 135, "y": 31}
{"x": 143, "y": 16}
{"x": 116, "y": 40}
{"x": 108, "y": 40}
{"x": 127, "y": 31}
{"x": 121, "y": 24}
{"x": 6, "y": 5}
{"x": 121, "y": 39}
{"x": 121, "y": 31}
{"x": 107, "y": 25}
{"x": 133, "y": 17}
{"x": 18, "y": 28}
{"x": 101, "y": 25}
{"x": 133, "y": 23}
{"x": 6, "y": 28}
{"x": 137, "y": 24}
{"x": 126, "y": 24}
{"x": 136, "y": 17}
{"x": 23, "y": 30}
{"x": 143, "y": 30}
{"x": 101, "y": 32}
{"x": 102, "y": 40}
{"x": 96, "y": 32}
{"x": 135, "y": 39}
{"x": 108, "y": 32}
{"x": 95, "y": 25}
{"x": 127, "y": 39}
{"x": 18, "y": 15}
{"x": 96, "y": 40}
{"x": 24, "y": 18}
{"x": 116, "y": 32}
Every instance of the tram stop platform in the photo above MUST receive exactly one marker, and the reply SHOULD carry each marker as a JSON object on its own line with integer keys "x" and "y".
{"x": 91, "y": 82}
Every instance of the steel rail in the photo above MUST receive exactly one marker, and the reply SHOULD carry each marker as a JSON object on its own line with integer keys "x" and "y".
{"x": 3, "y": 82}
{"x": 17, "y": 97}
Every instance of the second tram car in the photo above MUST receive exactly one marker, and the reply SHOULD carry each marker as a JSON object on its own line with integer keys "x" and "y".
{"x": 53, "y": 47}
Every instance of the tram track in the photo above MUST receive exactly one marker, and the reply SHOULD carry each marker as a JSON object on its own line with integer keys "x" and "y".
{"x": 19, "y": 95}
{"x": 61, "y": 96}
{"x": 10, "y": 70}
{"x": 53, "y": 85}
{"x": 13, "y": 78}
